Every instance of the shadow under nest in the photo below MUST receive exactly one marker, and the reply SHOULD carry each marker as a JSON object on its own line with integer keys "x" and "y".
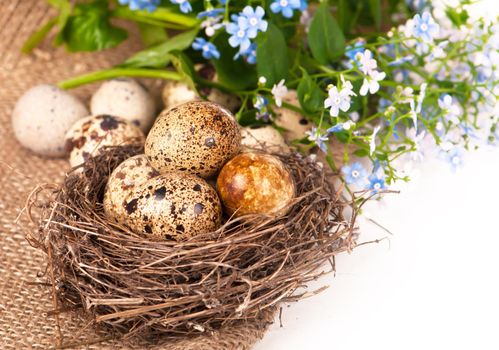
{"x": 136, "y": 286}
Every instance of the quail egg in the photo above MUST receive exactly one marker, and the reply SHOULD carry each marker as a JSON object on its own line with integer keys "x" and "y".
{"x": 88, "y": 135}
{"x": 265, "y": 137}
{"x": 43, "y": 115}
{"x": 125, "y": 178}
{"x": 196, "y": 137}
{"x": 256, "y": 183}
{"x": 127, "y": 99}
{"x": 173, "y": 206}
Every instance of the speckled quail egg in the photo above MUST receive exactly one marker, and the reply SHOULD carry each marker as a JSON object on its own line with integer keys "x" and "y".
{"x": 196, "y": 137}
{"x": 88, "y": 135}
{"x": 127, "y": 99}
{"x": 264, "y": 137}
{"x": 256, "y": 183}
{"x": 43, "y": 115}
{"x": 173, "y": 206}
{"x": 175, "y": 93}
{"x": 123, "y": 181}
{"x": 294, "y": 123}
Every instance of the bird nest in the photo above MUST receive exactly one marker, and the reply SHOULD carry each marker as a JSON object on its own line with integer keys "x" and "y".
{"x": 134, "y": 285}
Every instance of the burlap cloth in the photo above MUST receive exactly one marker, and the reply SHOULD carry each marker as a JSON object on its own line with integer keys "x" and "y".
{"x": 24, "y": 323}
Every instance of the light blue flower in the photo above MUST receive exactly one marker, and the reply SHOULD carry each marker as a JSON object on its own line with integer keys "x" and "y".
{"x": 149, "y": 5}
{"x": 320, "y": 140}
{"x": 303, "y": 5}
{"x": 208, "y": 50}
{"x": 376, "y": 183}
{"x": 210, "y": 13}
{"x": 401, "y": 61}
{"x": 352, "y": 51}
{"x": 185, "y": 5}
{"x": 455, "y": 158}
{"x": 249, "y": 55}
{"x": 238, "y": 29}
{"x": 425, "y": 27}
{"x": 355, "y": 174}
{"x": 285, "y": 7}
{"x": 254, "y": 19}
{"x": 261, "y": 103}
{"x": 341, "y": 126}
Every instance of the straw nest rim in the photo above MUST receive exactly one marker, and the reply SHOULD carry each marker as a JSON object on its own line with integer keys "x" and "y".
{"x": 132, "y": 286}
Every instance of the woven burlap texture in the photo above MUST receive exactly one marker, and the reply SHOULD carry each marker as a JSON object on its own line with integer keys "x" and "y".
{"x": 24, "y": 323}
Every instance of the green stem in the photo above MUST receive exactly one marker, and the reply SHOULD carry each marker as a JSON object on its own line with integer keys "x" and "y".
{"x": 118, "y": 72}
{"x": 38, "y": 36}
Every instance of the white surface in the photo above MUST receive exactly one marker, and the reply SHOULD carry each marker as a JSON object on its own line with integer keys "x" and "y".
{"x": 433, "y": 285}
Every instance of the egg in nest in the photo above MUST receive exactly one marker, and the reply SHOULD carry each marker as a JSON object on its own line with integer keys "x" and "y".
{"x": 88, "y": 135}
{"x": 122, "y": 182}
{"x": 173, "y": 206}
{"x": 197, "y": 137}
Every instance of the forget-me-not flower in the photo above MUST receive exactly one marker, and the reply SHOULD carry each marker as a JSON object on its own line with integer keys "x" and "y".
{"x": 255, "y": 21}
{"x": 371, "y": 82}
{"x": 239, "y": 34}
{"x": 366, "y": 61}
{"x": 249, "y": 55}
{"x": 261, "y": 103}
{"x": 355, "y": 174}
{"x": 149, "y": 5}
{"x": 376, "y": 183}
{"x": 337, "y": 100}
{"x": 320, "y": 140}
{"x": 450, "y": 109}
{"x": 352, "y": 51}
{"x": 285, "y": 7}
{"x": 279, "y": 91}
{"x": 425, "y": 27}
{"x": 455, "y": 158}
{"x": 207, "y": 49}
{"x": 341, "y": 126}
{"x": 211, "y": 25}
{"x": 185, "y": 5}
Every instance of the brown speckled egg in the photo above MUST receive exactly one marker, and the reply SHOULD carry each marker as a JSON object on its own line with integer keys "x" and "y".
{"x": 196, "y": 137}
{"x": 88, "y": 135}
{"x": 174, "y": 206}
{"x": 255, "y": 183}
{"x": 123, "y": 181}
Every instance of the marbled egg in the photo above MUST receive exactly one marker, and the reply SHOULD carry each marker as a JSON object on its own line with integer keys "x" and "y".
{"x": 43, "y": 115}
{"x": 256, "y": 183}
{"x": 88, "y": 135}
{"x": 123, "y": 181}
{"x": 127, "y": 99}
{"x": 264, "y": 137}
{"x": 294, "y": 124}
{"x": 196, "y": 137}
{"x": 174, "y": 206}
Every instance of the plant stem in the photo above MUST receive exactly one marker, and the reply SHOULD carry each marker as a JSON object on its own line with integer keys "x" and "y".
{"x": 118, "y": 72}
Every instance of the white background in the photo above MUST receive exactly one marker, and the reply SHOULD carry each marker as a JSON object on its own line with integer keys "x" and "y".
{"x": 433, "y": 285}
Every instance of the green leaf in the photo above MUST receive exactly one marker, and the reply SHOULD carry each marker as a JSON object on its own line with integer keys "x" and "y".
{"x": 310, "y": 94}
{"x": 325, "y": 38}
{"x": 184, "y": 67}
{"x": 89, "y": 29}
{"x": 272, "y": 61}
{"x": 361, "y": 153}
{"x": 64, "y": 8}
{"x": 157, "y": 56}
{"x": 152, "y": 35}
{"x": 232, "y": 74}
{"x": 375, "y": 7}
{"x": 38, "y": 36}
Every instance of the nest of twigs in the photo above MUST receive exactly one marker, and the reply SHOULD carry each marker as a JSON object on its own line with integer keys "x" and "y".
{"x": 133, "y": 285}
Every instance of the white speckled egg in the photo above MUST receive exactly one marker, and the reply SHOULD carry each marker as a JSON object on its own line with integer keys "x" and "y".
{"x": 196, "y": 137}
{"x": 176, "y": 93}
{"x": 43, "y": 115}
{"x": 88, "y": 135}
{"x": 127, "y": 99}
{"x": 123, "y": 181}
{"x": 264, "y": 137}
{"x": 294, "y": 123}
{"x": 173, "y": 206}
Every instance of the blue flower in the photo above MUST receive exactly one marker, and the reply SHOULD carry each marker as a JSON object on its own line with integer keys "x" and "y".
{"x": 149, "y": 5}
{"x": 255, "y": 21}
{"x": 209, "y": 50}
{"x": 261, "y": 103}
{"x": 239, "y": 34}
{"x": 341, "y": 126}
{"x": 210, "y": 13}
{"x": 285, "y": 7}
{"x": 249, "y": 55}
{"x": 425, "y": 27}
{"x": 185, "y": 5}
{"x": 401, "y": 61}
{"x": 352, "y": 51}
{"x": 455, "y": 158}
{"x": 376, "y": 183}
{"x": 354, "y": 174}
{"x": 320, "y": 140}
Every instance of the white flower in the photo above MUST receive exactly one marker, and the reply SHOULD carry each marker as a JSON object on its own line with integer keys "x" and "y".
{"x": 279, "y": 91}
{"x": 370, "y": 83}
{"x": 450, "y": 109}
{"x": 346, "y": 86}
{"x": 414, "y": 115}
{"x": 372, "y": 140}
{"x": 422, "y": 94}
{"x": 367, "y": 63}
{"x": 411, "y": 133}
{"x": 348, "y": 125}
{"x": 337, "y": 100}
{"x": 262, "y": 80}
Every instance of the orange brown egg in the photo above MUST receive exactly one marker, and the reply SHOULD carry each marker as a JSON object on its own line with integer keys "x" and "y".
{"x": 256, "y": 183}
